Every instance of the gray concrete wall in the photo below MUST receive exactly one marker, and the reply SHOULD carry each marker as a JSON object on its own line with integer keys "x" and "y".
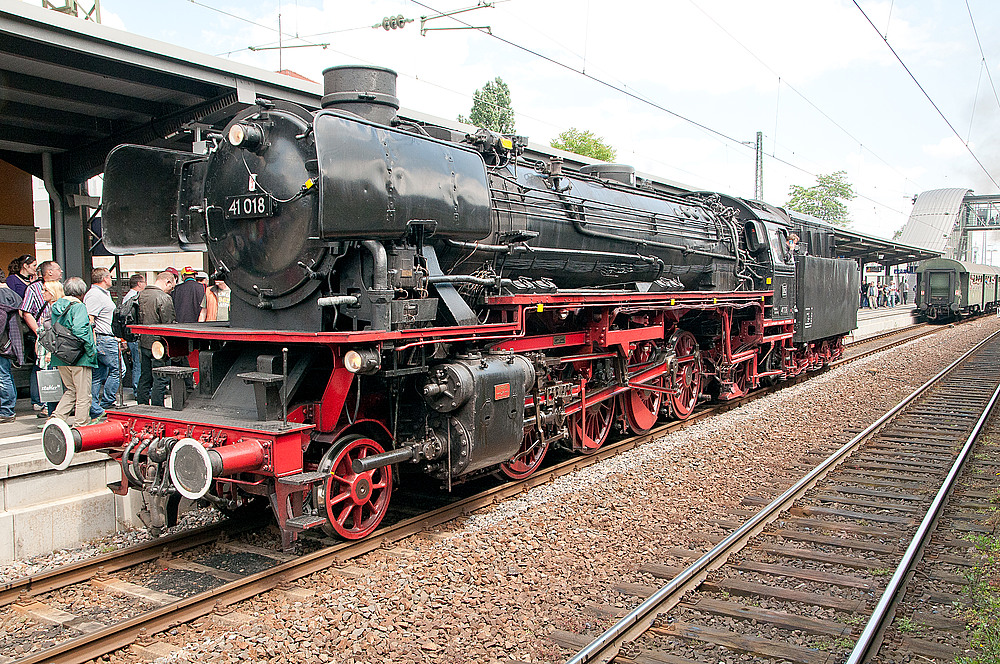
{"x": 42, "y": 510}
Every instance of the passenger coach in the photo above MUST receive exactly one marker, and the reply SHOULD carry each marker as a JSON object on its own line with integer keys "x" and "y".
{"x": 948, "y": 289}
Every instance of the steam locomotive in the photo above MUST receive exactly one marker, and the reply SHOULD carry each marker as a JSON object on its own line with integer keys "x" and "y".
{"x": 408, "y": 299}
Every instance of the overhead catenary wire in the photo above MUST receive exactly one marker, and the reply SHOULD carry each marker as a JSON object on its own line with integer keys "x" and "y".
{"x": 802, "y": 96}
{"x": 638, "y": 97}
{"x": 927, "y": 95}
{"x": 975, "y": 31}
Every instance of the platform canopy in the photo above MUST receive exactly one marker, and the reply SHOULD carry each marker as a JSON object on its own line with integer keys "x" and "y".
{"x": 868, "y": 248}
{"x": 74, "y": 89}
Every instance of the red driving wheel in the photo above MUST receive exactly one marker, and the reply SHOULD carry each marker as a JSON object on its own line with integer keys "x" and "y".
{"x": 592, "y": 427}
{"x": 355, "y": 503}
{"x": 741, "y": 378}
{"x": 642, "y": 407}
{"x": 528, "y": 459}
{"x": 689, "y": 377}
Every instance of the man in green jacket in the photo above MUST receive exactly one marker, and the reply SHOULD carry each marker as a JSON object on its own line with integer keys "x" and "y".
{"x": 70, "y": 312}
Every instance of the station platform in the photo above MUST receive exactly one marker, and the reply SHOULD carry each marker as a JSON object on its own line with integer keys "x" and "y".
{"x": 41, "y": 510}
{"x": 872, "y": 322}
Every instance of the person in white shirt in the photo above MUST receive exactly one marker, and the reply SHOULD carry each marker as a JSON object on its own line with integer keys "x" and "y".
{"x": 107, "y": 375}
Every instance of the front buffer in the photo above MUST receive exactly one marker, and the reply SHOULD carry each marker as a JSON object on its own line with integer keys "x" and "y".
{"x": 216, "y": 459}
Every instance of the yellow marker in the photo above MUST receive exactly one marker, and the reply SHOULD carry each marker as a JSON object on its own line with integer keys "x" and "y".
{"x": 672, "y": 300}
{"x": 715, "y": 300}
{"x": 769, "y": 281}
{"x": 309, "y": 184}
{"x": 539, "y": 307}
{"x": 506, "y": 143}
{"x": 761, "y": 298}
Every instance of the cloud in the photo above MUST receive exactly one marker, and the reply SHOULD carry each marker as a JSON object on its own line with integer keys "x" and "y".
{"x": 949, "y": 147}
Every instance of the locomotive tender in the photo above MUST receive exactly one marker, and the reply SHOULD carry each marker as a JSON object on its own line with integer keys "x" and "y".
{"x": 409, "y": 299}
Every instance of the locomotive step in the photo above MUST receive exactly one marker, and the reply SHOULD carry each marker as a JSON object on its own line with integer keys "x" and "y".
{"x": 260, "y": 377}
{"x": 304, "y": 522}
{"x": 301, "y": 479}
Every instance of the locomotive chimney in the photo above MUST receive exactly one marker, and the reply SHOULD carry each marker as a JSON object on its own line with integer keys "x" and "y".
{"x": 369, "y": 92}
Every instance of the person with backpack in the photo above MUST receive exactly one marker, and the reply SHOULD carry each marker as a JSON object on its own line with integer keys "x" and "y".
{"x": 69, "y": 312}
{"x": 128, "y": 314}
{"x": 106, "y": 375}
{"x": 11, "y": 349}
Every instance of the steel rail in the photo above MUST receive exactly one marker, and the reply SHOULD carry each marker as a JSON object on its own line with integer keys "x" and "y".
{"x": 870, "y": 641}
{"x": 606, "y": 646}
{"x": 887, "y": 334}
{"x": 136, "y": 554}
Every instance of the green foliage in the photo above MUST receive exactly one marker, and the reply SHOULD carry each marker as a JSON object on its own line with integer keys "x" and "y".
{"x": 824, "y": 199}
{"x": 585, "y": 143}
{"x": 983, "y": 597}
{"x": 491, "y": 108}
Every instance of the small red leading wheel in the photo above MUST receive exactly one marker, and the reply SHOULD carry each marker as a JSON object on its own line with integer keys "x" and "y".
{"x": 592, "y": 428}
{"x": 528, "y": 459}
{"x": 689, "y": 376}
{"x": 355, "y": 503}
{"x": 642, "y": 407}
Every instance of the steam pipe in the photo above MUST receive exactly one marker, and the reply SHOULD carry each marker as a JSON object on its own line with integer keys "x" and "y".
{"x": 578, "y": 225}
{"x": 336, "y": 300}
{"x": 462, "y": 279}
{"x": 381, "y": 271}
{"x": 506, "y": 248}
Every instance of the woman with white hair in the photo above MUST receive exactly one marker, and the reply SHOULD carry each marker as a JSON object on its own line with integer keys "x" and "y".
{"x": 69, "y": 311}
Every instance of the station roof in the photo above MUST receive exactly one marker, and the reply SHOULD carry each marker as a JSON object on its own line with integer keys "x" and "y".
{"x": 868, "y": 248}
{"x": 75, "y": 89}
{"x": 934, "y": 217}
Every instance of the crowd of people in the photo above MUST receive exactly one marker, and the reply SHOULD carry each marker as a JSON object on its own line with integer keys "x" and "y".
{"x": 874, "y": 295}
{"x": 65, "y": 329}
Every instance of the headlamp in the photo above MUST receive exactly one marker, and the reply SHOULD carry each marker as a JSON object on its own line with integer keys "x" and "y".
{"x": 247, "y": 136}
{"x": 363, "y": 361}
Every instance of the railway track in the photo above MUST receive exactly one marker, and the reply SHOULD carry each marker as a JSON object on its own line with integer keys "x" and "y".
{"x": 789, "y": 581}
{"x": 79, "y": 637}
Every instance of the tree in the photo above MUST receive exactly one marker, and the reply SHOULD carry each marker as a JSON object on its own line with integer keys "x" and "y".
{"x": 585, "y": 143}
{"x": 825, "y": 199}
{"x": 491, "y": 108}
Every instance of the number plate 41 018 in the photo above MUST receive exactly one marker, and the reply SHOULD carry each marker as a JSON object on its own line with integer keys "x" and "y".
{"x": 252, "y": 206}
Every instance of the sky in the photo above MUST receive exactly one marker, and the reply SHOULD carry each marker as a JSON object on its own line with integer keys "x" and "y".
{"x": 679, "y": 88}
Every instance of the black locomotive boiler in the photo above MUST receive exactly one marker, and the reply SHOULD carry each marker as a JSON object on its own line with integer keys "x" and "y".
{"x": 411, "y": 299}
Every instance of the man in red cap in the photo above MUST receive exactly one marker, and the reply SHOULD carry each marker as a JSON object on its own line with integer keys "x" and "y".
{"x": 188, "y": 296}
